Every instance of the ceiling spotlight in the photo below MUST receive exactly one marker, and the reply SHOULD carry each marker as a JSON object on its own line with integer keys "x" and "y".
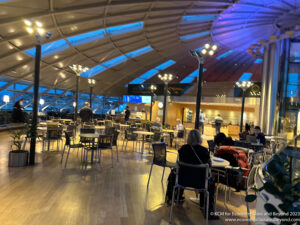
{"x": 211, "y": 52}
{"x": 214, "y": 47}
{"x": 38, "y": 23}
{"x": 28, "y": 22}
{"x": 207, "y": 46}
{"x": 203, "y": 51}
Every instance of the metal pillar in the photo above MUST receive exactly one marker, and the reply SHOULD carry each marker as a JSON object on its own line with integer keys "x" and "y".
{"x": 264, "y": 88}
{"x": 198, "y": 101}
{"x": 91, "y": 95}
{"x": 273, "y": 85}
{"x": 151, "y": 107}
{"x": 35, "y": 104}
{"x": 76, "y": 98}
{"x": 242, "y": 111}
{"x": 165, "y": 102}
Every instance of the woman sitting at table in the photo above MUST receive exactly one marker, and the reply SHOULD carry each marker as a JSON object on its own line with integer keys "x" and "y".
{"x": 193, "y": 153}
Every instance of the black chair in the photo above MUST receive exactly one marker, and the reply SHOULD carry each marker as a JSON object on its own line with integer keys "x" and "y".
{"x": 160, "y": 159}
{"x": 109, "y": 130}
{"x": 84, "y": 140}
{"x": 197, "y": 181}
{"x": 130, "y": 136}
{"x": 70, "y": 146}
{"x": 211, "y": 145}
{"x": 54, "y": 133}
{"x": 115, "y": 142}
{"x": 156, "y": 137}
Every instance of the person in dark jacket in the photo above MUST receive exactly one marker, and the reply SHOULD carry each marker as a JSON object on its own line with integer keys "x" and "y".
{"x": 127, "y": 113}
{"x": 259, "y": 135}
{"x": 187, "y": 154}
{"x": 85, "y": 113}
{"x": 18, "y": 114}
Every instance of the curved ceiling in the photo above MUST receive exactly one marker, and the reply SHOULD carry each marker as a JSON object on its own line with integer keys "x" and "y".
{"x": 122, "y": 40}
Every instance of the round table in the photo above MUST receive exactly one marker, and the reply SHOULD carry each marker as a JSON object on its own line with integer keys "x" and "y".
{"x": 92, "y": 136}
{"x": 143, "y": 134}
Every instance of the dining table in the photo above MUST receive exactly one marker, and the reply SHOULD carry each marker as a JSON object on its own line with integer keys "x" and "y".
{"x": 92, "y": 136}
{"x": 143, "y": 134}
{"x": 170, "y": 132}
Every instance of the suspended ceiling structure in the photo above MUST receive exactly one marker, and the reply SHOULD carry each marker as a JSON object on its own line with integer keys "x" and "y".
{"x": 131, "y": 42}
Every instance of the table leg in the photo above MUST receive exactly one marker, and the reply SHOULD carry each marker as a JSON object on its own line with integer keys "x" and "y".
{"x": 92, "y": 154}
{"x": 143, "y": 144}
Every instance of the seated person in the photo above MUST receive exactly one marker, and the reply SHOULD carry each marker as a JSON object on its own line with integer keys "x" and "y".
{"x": 244, "y": 134}
{"x": 221, "y": 140}
{"x": 157, "y": 125}
{"x": 179, "y": 129}
{"x": 259, "y": 135}
{"x": 192, "y": 153}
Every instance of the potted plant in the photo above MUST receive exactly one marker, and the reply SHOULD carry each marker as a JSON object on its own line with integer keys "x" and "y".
{"x": 18, "y": 157}
{"x": 282, "y": 181}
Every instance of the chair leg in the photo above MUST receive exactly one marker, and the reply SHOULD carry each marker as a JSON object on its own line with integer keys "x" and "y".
{"x": 248, "y": 209}
{"x": 86, "y": 158}
{"x": 67, "y": 157}
{"x": 207, "y": 205}
{"x": 149, "y": 175}
{"x": 162, "y": 177}
{"x": 117, "y": 153}
{"x": 172, "y": 206}
{"x": 112, "y": 158}
{"x": 62, "y": 154}
{"x": 123, "y": 145}
{"x": 126, "y": 145}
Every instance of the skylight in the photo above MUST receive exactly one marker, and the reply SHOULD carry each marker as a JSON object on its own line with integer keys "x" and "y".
{"x": 196, "y": 35}
{"x": 190, "y": 78}
{"x": 60, "y": 45}
{"x": 258, "y": 61}
{"x": 245, "y": 77}
{"x": 224, "y": 55}
{"x": 117, "y": 30}
{"x": 115, "y": 61}
{"x": 150, "y": 73}
{"x": 198, "y": 18}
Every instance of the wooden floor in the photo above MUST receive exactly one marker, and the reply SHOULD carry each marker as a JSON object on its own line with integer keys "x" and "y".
{"x": 47, "y": 194}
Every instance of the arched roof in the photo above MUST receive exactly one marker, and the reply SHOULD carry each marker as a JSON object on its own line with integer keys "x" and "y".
{"x": 122, "y": 40}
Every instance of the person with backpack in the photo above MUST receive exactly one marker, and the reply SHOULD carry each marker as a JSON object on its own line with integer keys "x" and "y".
{"x": 193, "y": 153}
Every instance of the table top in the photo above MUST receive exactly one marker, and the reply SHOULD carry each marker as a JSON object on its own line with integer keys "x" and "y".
{"x": 219, "y": 164}
{"x": 100, "y": 127}
{"x": 143, "y": 132}
{"x": 92, "y": 135}
{"x": 257, "y": 144}
{"x": 274, "y": 137}
{"x": 124, "y": 125}
{"x": 168, "y": 131}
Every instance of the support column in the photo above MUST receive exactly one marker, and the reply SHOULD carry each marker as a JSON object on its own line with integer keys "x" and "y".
{"x": 271, "y": 94}
{"x": 264, "y": 88}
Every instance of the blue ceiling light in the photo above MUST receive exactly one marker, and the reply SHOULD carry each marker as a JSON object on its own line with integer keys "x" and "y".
{"x": 258, "y": 61}
{"x": 86, "y": 37}
{"x": 190, "y": 78}
{"x": 196, "y": 35}
{"x": 150, "y": 73}
{"x": 93, "y": 71}
{"x": 115, "y": 61}
{"x": 198, "y": 18}
{"x": 245, "y": 77}
{"x": 224, "y": 55}
{"x": 165, "y": 65}
{"x": 60, "y": 45}
{"x": 139, "y": 52}
{"x": 50, "y": 48}
{"x": 121, "y": 29}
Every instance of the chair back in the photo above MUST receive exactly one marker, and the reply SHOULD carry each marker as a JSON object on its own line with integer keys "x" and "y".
{"x": 211, "y": 145}
{"x": 129, "y": 133}
{"x": 250, "y": 138}
{"x": 156, "y": 136}
{"x": 192, "y": 175}
{"x": 68, "y": 139}
{"x": 159, "y": 153}
{"x": 180, "y": 134}
{"x": 108, "y": 123}
{"x": 109, "y": 130}
{"x": 54, "y": 132}
{"x": 105, "y": 141}
{"x": 87, "y": 130}
{"x": 115, "y": 138}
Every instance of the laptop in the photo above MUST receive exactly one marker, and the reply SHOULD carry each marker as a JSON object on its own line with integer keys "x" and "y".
{"x": 251, "y": 139}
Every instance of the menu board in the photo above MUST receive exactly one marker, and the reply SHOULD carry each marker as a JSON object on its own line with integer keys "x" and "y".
{"x": 136, "y": 99}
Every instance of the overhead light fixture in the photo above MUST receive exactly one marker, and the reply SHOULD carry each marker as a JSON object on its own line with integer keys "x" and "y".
{"x": 42, "y": 101}
{"x": 6, "y": 98}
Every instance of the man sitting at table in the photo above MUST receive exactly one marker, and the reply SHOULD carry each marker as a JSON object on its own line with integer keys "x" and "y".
{"x": 193, "y": 153}
{"x": 259, "y": 135}
{"x": 157, "y": 125}
{"x": 85, "y": 113}
{"x": 179, "y": 129}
